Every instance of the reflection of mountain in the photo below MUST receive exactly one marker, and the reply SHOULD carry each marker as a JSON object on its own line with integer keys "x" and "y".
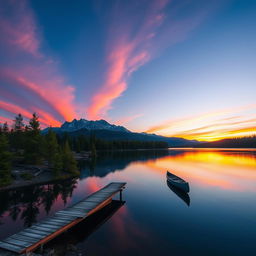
{"x": 66, "y": 243}
{"x": 25, "y": 203}
{"x": 109, "y": 162}
{"x": 181, "y": 194}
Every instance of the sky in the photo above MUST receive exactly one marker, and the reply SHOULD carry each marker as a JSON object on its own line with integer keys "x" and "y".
{"x": 178, "y": 68}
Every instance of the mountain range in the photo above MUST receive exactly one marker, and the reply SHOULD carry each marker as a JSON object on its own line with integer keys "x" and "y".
{"x": 104, "y": 130}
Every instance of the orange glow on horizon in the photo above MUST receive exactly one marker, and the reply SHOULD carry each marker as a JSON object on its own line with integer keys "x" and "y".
{"x": 221, "y": 134}
{"x": 212, "y": 126}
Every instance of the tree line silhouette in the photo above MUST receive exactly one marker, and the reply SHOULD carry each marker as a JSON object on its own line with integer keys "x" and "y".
{"x": 239, "y": 142}
{"x": 92, "y": 143}
{"x": 27, "y": 144}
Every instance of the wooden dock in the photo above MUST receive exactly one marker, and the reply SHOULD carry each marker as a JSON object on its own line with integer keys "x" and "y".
{"x": 37, "y": 235}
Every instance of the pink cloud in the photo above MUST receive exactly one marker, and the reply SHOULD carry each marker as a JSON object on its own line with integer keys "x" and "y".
{"x": 127, "y": 119}
{"x": 126, "y": 55}
{"x": 135, "y": 40}
{"x": 28, "y": 70}
{"x": 50, "y": 93}
{"x": 45, "y": 118}
{"x": 5, "y": 119}
{"x": 20, "y": 30}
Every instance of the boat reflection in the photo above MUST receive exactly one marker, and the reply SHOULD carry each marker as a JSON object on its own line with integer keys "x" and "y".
{"x": 66, "y": 244}
{"x": 181, "y": 194}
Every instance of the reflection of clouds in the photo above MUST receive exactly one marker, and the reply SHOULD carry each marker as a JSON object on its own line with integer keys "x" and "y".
{"x": 226, "y": 170}
{"x": 93, "y": 185}
{"x": 126, "y": 231}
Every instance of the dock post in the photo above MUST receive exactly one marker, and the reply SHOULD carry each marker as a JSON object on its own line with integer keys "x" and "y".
{"x": 121, "y": 197}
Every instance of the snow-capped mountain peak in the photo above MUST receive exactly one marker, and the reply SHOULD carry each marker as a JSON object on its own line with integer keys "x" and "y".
{"x": 91, "y": 125}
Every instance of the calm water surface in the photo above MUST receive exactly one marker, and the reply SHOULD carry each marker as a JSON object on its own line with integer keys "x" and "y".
{"x": 217, "y": 218}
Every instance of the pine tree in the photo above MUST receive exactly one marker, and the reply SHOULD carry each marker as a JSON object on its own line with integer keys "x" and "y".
{"x": 57, "y": 164}
{"x": 5, "y": 161}
{"x": 5, "y": 128}
{"x": 93, "y": 146}
{"x": 69, "y": 162}
{"x": 34, "y": 124}
{"x": 18, "y": 123}
{"x": 33, "y": 148}
{"x": 53, "y": 154}
{"x": 17, "y": 136}
{"x": 52, "y": 147}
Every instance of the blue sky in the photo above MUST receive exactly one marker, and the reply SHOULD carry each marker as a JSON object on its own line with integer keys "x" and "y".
{"x": 177, "y": 68}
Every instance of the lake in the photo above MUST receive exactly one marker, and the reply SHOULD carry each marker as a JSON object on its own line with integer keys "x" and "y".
{"x": 218, "y": 217}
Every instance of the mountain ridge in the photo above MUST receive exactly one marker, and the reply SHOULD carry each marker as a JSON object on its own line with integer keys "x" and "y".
{"x": 91, "y": 125}
{"x": 104, "y": 130}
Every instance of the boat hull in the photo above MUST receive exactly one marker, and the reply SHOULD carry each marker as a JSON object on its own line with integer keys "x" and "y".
{"x": 177, "y": 182}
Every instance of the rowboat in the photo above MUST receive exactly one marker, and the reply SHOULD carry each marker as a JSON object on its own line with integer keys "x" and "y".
{"x": 177, "y": 182}
{"x": 180, "y": 193}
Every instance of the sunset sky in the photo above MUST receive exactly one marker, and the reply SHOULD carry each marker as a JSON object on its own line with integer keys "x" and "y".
{"x": 172, "y": 67}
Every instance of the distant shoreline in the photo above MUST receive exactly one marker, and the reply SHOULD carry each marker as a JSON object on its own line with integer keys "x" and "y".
{"x": 215, "y": 148}
{"x": 46, "y": 178}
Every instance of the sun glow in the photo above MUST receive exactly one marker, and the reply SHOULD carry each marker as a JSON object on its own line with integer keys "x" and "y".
{"x": 222, "y": 124}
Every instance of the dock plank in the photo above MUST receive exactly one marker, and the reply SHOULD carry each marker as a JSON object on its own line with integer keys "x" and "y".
{"x": 11, "y": 247}
{"x": 97, "y": 200}
{"x": 33, "y": 235}
{"x": 69, "y": 213}
{"x": 49, "y": 225}
{"x": 38, "y": 232}
{"x": 18, "y": 242}
{"x": 43, "y": 229}
{"x": 55, "y": 220}
{"x": 75, "y": 210}
{"x": 24, "y": 238}
{"x": 82, "y": 208}
{"x": 70, "y": 218}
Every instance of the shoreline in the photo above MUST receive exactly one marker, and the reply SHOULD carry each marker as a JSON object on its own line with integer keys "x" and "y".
{"x": 47, "y": 177}
{"x": 37, "y": 181}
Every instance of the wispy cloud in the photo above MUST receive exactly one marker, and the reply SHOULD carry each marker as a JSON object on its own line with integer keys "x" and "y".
{"x": 4, "y": 119}
{"x": 13, "y": 109}
{"x": 229, "y": 122}
{"x": 134, "y": 40}
{"x": 126, "y": 120}
{"x": 18, "y": 27}
{"x": 30, "y": 79}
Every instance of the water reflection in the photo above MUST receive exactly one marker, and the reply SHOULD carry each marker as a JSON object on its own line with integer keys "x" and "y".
{"x": 181, "y": 194}
{"x": 25, "y": 204}
{"x": 108, "y": 162}
{"x": 222, "y": 211}
{"x": 66, "y": 244}
{"x": 229, "y": 170}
